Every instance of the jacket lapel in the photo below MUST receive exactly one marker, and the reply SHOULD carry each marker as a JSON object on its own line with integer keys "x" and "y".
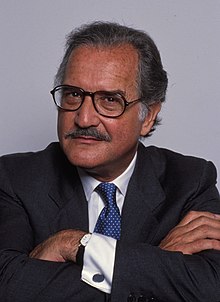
{"x": 67, "y": 193}
{"x": 144, "y": 196}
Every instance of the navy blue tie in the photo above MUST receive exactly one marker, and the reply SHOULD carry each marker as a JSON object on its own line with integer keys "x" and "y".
{"x": 109, "y": 221}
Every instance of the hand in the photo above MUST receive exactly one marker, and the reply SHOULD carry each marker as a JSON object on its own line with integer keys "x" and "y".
{"x": 61, "y": 247}
{"x": 196, "y": 232}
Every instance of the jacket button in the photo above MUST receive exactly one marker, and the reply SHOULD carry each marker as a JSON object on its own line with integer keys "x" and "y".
{"x": 142, "y": 299}
{"x": 131, "y": 298}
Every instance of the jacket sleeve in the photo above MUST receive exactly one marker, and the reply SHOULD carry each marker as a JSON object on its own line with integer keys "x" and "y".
{"x": 23, "y": 279}
{"x": 144, "y": 270}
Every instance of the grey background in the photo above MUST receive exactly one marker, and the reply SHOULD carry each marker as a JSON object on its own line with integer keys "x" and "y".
{"x": 32, "y": 37}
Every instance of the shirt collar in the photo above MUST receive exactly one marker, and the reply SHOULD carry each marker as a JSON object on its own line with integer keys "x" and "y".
{"x": 90, "y": 183}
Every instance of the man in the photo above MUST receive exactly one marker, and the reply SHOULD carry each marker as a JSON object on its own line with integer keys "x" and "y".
{"x": 62, "y": 236}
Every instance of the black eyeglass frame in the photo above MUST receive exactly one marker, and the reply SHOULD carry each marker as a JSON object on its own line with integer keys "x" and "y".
{"x": 92, "y": 94}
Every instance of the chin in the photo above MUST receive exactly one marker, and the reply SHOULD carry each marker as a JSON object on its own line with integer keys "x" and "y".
{"x": 83, "y": 162}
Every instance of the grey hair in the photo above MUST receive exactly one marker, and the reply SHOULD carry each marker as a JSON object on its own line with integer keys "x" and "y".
{"x": 151, "y": 79}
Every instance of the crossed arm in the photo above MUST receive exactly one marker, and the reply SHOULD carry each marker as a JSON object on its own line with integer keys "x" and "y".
{"x": 196, "y": 232}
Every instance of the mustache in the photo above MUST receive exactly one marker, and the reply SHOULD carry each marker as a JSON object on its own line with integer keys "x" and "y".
{"x": 91, "y": 132}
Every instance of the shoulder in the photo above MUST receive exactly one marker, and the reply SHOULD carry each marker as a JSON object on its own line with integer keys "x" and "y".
{"x": 20, "y": 168}
{"x": 30, "y": 159}
{"x": 173, "y": 167}
{"x": 170, "y": 157}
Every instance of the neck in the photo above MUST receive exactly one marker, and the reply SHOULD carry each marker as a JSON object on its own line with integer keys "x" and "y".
{"x": 107, "y": 175}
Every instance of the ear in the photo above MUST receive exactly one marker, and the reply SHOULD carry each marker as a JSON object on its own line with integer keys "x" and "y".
{"x": 150, "y": 118}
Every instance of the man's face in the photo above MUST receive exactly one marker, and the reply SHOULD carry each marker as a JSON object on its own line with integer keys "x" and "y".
{"x": 110, "y": 69}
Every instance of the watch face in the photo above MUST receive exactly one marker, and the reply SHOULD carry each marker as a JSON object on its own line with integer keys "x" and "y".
{"x": 85, "y": 239}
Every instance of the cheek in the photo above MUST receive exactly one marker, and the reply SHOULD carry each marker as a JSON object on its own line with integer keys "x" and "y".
{"x": 132, "y": 125}
{"x": 126, "y": 133}
{"x": 64, "y": 125}
{"x": 64, "y": 122}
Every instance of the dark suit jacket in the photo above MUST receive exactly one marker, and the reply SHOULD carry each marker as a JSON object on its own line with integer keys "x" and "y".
{"x": 41, "y": 193}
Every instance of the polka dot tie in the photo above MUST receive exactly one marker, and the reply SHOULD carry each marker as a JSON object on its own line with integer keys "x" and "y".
{"x": 109, "y": 221}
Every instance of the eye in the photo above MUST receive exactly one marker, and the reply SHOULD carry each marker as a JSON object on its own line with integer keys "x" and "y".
{"x": 110, "y": 99}
{"x": 109, "y": 102}
{"x": 70, "y": 98}
{"x": 71, "y": 94}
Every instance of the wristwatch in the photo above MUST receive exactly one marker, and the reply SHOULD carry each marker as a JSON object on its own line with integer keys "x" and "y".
{"x": 85, "y": 239}
{"x": 82, "y": 244}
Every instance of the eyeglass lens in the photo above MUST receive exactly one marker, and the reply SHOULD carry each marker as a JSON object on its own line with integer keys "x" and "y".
{"x": 105, "y": 103}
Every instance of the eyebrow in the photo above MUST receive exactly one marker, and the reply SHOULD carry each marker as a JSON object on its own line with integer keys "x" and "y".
{"x": 117, "y": 91}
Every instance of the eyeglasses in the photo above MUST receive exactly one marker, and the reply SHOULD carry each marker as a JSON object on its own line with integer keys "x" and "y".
{"x": 106, "y": 103}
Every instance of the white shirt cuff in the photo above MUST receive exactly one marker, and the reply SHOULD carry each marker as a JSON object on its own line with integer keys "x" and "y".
{"x": 98, "y": 262}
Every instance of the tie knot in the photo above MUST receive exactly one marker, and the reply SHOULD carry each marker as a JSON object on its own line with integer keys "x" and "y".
{"x": 107, "y": 191}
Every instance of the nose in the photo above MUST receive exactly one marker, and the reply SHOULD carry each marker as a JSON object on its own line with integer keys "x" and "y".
{"x": 86, "y": 115}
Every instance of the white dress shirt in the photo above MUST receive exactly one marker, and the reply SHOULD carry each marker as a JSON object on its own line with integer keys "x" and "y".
{"x": 99, "y": 253}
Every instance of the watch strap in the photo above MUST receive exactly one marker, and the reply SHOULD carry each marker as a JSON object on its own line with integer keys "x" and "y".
{"x": 81, "y": 249}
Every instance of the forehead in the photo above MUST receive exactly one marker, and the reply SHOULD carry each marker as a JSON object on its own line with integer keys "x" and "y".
{"x": 102, "y": 65}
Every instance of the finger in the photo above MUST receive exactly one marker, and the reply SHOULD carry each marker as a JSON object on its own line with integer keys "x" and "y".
{"x": 201, "y": 227}
{"x": 201, "y": 233}
{"x": 192, "y": 215}
{"x": 195, "y": 247}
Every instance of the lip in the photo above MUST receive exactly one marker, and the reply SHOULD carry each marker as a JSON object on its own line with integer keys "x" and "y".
{"x": 86, "y": 139}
